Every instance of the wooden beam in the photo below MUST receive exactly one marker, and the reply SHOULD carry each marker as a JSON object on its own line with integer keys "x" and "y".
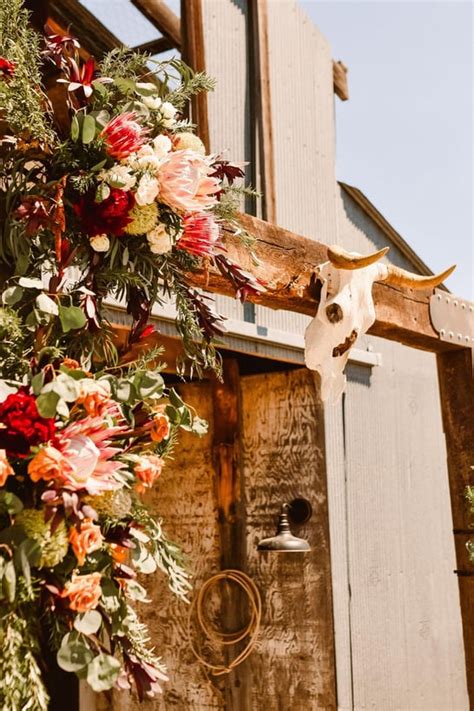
{"x": 262, "y": 105}
{"x": 155, "y": 46}
{"x": 163, "y": 18}
{"x": 341, "y": 86}
{"x": 287, "y": 262}
{"x": 193, "y": 52}
{"x": 457, "y": 406}
{"x": 90, "y": 32}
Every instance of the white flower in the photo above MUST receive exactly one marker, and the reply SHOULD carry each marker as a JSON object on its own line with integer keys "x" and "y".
{"x": 147, "y": 190}
{"x": 168, "y": 111}
{"x": 119, "y": 177}
{"x": 100, "y": 243}
{"x": 159, "y": 240}
{"x": 146, "y": 158}
{"x": 152, "y": 102}
{"x": 161, "y": 146}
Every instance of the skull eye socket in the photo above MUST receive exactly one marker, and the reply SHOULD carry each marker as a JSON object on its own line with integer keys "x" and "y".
{"x": 334, "y": 313}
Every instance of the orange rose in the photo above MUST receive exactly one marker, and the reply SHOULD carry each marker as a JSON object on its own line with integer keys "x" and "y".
{"x": 148, "y": 469}
{"x": 160, "y": 427}
{"x": 83, "y": 591}
{"x": 87, "y": 540}
{"x": 70, "y": 363}
{"x": 48, "y": 464}
{"x": 5, "y": 467}
{"x": 94, "y": 396}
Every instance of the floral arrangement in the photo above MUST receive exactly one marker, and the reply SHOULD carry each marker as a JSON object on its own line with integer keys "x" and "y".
{"x": 105, "y": 192}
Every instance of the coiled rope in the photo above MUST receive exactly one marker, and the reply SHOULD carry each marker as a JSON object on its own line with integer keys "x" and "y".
{"x": 250, "y": 630}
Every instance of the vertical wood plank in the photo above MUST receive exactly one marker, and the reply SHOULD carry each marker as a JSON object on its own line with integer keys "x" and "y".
{"x": 193, "y": 53}
{"x": 259, "y": 67}
{"x": 231, "y": 511}
{"x": 184, "y": 498}
{"x": 457, "y": 406}
{"x": 283, "y": 457}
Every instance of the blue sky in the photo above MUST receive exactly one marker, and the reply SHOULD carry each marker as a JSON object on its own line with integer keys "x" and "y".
{"x": 405, "y": 136}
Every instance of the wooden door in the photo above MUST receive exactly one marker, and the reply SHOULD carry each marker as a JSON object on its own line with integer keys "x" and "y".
{"x": 272, "y": 448}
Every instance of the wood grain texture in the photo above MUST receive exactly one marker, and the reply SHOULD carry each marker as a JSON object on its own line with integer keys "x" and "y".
{"x": 286, "y": 262}
{"x": 163, "y": 18}
{"x": 405, "y": 622}
{"x": 259, "y": 66}
{"x": 194, "y": 54}
{"x": 283, "y": 457}
{"x": 185, "y": 499}
{"x": 83, "y": 24}
{"x": 457, "y": 405}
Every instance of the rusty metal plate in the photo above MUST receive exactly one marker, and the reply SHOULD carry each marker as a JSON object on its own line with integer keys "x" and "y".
{"x": 452, "y": 318}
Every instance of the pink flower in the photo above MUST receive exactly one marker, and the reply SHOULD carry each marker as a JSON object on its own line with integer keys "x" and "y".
{"x": 186, "y": 183}
{"x": 123, "y": 135}
{"x": 85, "y": 445}
{"x": 201, "y": 234}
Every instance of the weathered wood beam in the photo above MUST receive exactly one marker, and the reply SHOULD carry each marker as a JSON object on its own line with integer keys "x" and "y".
{"x": 341, "y": 86}
{"x": 192, "y": 32}
{"x": 286, "y": 263}
{"x": 155, "y": 46}
{"x": 90, "y": 32}
{"x": 163, "y": 18}
{"x": 457, "y": 406}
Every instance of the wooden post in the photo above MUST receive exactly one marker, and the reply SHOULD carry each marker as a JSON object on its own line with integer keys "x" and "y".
{"x": 457, "y": 405}
{"x": 193, "y": 53}
{"x": 259, "y": 63}
{"x": 229, "y": 495}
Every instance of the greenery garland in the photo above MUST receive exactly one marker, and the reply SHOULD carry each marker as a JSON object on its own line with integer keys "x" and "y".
{"x": 105, "y": 193}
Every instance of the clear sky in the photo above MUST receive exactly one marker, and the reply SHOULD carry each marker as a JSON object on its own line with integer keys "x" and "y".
{"x": 405, "y": 135}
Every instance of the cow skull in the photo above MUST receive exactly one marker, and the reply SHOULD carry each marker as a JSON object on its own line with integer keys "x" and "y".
{"x": 346, "y": 310}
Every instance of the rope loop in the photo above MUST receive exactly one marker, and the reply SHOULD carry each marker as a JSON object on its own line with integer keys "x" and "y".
{"x": 250, "y": 630}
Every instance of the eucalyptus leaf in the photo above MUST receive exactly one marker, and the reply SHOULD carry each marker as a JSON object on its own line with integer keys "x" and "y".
{"x": 46, "y": 304}
{"x": 12, "y": 295}
{"x": 9, "y": 581}
{"x": 30, "y": 283}
{"x": 89, "y": 622}
{"x": 73, "y": 653}
{"x": 102, "y": 672}
{"x": 75, "y": 128}
{"x": 37, "y": 382}
{"x": 88, "y": 129}
{"x": 46, "y": 404}
{"x": 72, "y": 318}
{"x": 9, "y": 503}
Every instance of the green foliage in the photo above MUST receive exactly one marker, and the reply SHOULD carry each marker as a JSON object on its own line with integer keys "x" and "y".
{"x": 21, "y": 98}
{"x": 21, "y": 683}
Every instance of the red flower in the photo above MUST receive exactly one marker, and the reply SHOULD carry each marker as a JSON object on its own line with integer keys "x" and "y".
{"x": 82, "y": 77}
{"x": 123, "y": 135}
{"x": 201, "y": 234}
{"x": 7, "y": 68}
{"x": 21, "y": 426}
{"x": 108, "y": 217}
{"x": 58, "y": 45}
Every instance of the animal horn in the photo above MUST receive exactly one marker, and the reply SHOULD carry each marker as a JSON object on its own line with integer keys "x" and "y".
{"x": 351, "y": 260}
{"x": 400, "y": 277}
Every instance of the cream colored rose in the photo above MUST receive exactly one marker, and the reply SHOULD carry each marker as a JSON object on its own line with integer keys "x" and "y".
{"x": 152, "y": 102}
{"x": 162, "y": 145}
{"x": 159, "y": 240}
{"x": 119, "y": 177}
{"x": 147, "y": 190}
{"x": 100, "y": 243}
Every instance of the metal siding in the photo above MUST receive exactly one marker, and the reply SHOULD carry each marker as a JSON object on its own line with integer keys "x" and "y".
{"x": 405, "y": 631}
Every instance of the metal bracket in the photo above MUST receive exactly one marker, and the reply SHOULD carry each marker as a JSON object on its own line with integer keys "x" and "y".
{"x": 452, "y": 318}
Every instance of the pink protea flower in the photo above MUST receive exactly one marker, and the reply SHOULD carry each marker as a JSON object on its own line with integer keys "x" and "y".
{"x": 201, "y": 234}
{"x": 186, "y": 183}
{"x": 85, "y": 446}
{"x": 123, "y": 135}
